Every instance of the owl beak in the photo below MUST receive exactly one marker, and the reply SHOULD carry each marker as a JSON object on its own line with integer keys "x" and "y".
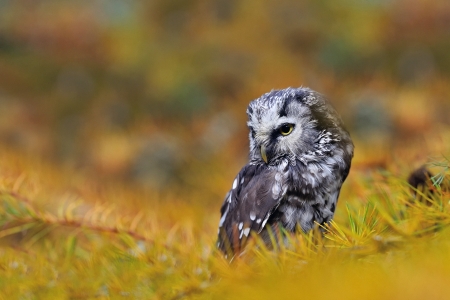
{"x": 263, "y": 153}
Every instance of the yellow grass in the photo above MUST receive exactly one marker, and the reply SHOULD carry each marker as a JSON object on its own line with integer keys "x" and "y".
{"x": 64, "y": 235}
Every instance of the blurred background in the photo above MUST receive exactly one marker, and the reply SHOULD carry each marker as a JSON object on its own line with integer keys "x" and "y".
{"x": 154, "y": 93}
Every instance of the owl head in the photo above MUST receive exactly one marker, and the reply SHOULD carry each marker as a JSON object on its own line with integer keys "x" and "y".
{"x": 297, "y": 124}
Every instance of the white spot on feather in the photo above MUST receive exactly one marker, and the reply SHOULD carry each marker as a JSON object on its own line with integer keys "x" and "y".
{"x": 276, "y": 189}
{"x": 246, "y": 231}
{"x": 278, "y": 177}
{"x": 252, "y": 215}
{"x": 235, "y": 183}
{"x": 222, "y": 219}
{"x": 241, "y": 225}
{"x": 258, "y": 221}
{"x": 312, "y": 181}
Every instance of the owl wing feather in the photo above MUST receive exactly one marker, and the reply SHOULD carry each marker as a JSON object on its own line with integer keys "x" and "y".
{"x": 255, "y": 195}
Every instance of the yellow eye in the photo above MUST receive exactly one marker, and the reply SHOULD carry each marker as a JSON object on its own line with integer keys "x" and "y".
{"x": 286, "y": 129}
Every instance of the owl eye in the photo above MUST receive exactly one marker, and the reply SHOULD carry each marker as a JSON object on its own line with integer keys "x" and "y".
{"x": 286, "y": 129}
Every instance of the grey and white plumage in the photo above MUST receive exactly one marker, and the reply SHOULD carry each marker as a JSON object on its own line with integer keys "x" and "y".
{"x": 300, "y": 154}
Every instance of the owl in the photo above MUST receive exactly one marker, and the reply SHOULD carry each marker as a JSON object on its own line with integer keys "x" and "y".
{"x": 300, "y": 155}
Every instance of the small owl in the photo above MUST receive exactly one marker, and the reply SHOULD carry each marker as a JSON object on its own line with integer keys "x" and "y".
{"x": 300, "y": 154}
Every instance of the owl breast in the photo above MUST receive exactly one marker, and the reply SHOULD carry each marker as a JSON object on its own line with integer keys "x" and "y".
{"x": 311, "y": 196}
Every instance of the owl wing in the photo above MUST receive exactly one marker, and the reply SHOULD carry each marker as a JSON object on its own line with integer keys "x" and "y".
{"x": 255, "y": 195}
